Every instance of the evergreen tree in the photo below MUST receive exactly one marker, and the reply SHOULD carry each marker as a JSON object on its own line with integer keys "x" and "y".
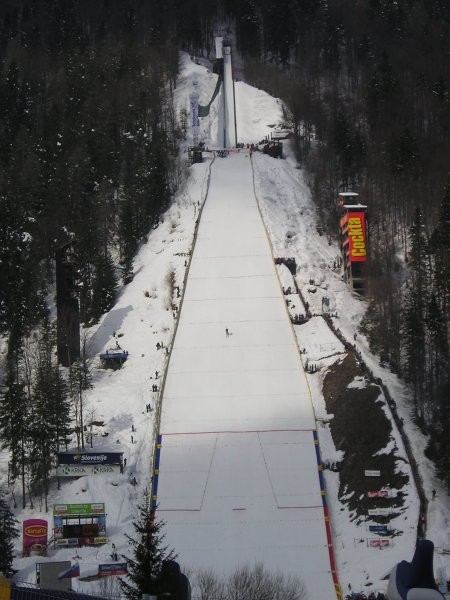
{"x": 80, "y": 380}
{"x": 104, "y": 286}
{"x": 441, "y": 428}
{"x": 440, "y": 248}
{"x": 14, "y": 420}
{"x": 127, "y": 236}
{"x": 8, "y": 531}
{"x": 149, "y": 554}
{"x": 50, "y": 419}
{"x": 414, "y": 312}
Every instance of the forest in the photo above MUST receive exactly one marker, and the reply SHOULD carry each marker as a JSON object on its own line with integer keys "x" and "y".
{"x": 89, "y": 146}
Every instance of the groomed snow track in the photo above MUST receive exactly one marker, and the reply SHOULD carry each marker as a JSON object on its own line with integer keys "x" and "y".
{"x": 237, "y": 477}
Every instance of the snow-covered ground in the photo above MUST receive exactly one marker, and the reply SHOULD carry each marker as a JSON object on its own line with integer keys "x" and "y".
{"x": 146, "y": 314}
{"x": 239, "y": 477}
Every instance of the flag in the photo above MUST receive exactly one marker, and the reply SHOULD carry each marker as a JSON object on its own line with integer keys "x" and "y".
{"x": 73, "y": 571}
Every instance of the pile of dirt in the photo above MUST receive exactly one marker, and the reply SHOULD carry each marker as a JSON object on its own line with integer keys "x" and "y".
{"x": 361, "y": 429}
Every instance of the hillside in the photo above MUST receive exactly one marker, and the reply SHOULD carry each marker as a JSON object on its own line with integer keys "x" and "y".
{"x": 143, "y": 316}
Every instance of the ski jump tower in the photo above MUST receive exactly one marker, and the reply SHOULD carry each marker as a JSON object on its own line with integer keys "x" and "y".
{"x": 229, "y": 103}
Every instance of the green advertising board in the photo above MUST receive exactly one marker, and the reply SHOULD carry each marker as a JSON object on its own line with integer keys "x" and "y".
{"x": 93, "y": 508}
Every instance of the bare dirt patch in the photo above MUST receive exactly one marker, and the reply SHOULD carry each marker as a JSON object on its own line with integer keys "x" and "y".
{"x": 361, "y": 429}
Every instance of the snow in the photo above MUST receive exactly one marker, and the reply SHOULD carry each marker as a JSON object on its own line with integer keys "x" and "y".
{"x": 238, "y": 411}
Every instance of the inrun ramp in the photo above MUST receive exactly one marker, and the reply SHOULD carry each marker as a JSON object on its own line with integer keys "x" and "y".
{"x": 238, "y": 479}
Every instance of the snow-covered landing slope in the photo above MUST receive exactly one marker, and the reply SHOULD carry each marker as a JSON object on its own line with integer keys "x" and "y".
{"x": 238, "y": 474}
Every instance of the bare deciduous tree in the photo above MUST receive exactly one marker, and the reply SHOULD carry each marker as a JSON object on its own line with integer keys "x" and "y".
{"x": 247, "y": 583}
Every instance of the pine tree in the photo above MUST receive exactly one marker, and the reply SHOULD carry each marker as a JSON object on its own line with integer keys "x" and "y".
{"x": 440, "y": 247}
{"x": 80, "y": 380}
{"x": 104, "y": 286}
{"x": 8, "y": 531}
{"x": 149, "y": 554}
{"x": 14, "y": 419}
{"x": 414, "y": 313}
{"x": 50, "y": 419}
{"x": 127, "y": 236}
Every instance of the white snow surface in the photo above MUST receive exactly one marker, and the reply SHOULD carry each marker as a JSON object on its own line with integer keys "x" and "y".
{"x": 238, "y": 470}
{"x": 238, "y": 479}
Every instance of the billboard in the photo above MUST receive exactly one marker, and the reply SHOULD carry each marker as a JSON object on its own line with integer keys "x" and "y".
{"x": 94, "y": 508}
{"x": 80, "y": 470}
{"x": 379, "y": 543}
{"x": 378, "y": 494}
{"x": 379, "y": 528}
{"x": 68, "y": 529}
{"x": 89, "y": 458}
{"x": 112, "y": 569}
{"x": 47, "y": 575}
{"x": 35, "y": 537}
{"x": 379, "y": 512}
{"x": 372, "y": 473}
{"x": 357, "y": 236}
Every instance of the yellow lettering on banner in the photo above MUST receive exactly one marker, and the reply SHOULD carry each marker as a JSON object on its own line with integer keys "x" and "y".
{"x": 356, "y": 233}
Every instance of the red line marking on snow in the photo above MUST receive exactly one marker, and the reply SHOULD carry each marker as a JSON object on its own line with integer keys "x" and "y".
{"x": 239, "y": 509}
{"x": 179, "y": 509}
{"x": 290, "y": 507}
{"x": 237, "y": 431}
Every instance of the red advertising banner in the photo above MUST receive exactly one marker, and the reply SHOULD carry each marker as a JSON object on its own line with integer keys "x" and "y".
{"x": 379, "y": 543}
{"x": 378, "y": 494}
{"x": 35, "y": 533}
{"x": 112, "y": 569}
{"x": 357, "y": 236}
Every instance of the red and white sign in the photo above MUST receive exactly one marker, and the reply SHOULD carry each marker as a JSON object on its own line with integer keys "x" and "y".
{"x": 379, "y": 543}
{"x": 378, "y": 494}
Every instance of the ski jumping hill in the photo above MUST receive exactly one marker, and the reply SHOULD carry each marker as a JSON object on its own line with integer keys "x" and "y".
{"x": 238, "y": 478}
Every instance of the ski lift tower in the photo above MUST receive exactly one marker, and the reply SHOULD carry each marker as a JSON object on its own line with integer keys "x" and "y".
{"x": 229, "y": 102}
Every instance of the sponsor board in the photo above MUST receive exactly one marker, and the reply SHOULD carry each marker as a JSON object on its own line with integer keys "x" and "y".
{"x": 79, "y": 509}
{"x": 379, "y": 512}
{"x": 67, "y": 542}
{"x": 89, "y": 458}
{"x": 112, "y": 569}
{"x": 62, "y": 542}
{"x": 81, "y": 470}
{"x": 34, "y": 536}
{"x": 379, "y": 543}
{"x": 378, "y": 494}
{"x": 357, "y": 236}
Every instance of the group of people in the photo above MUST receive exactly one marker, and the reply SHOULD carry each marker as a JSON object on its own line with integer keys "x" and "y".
{"x": 362, "y": 596}
{"x": 311, "y": 367}
{"x": 298, "y": 319}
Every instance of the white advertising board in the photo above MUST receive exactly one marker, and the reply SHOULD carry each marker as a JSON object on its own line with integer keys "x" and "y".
{"x": 80, "y": 470}
{"x": 380, "y": 512}
{"x": 372, "y": 473}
